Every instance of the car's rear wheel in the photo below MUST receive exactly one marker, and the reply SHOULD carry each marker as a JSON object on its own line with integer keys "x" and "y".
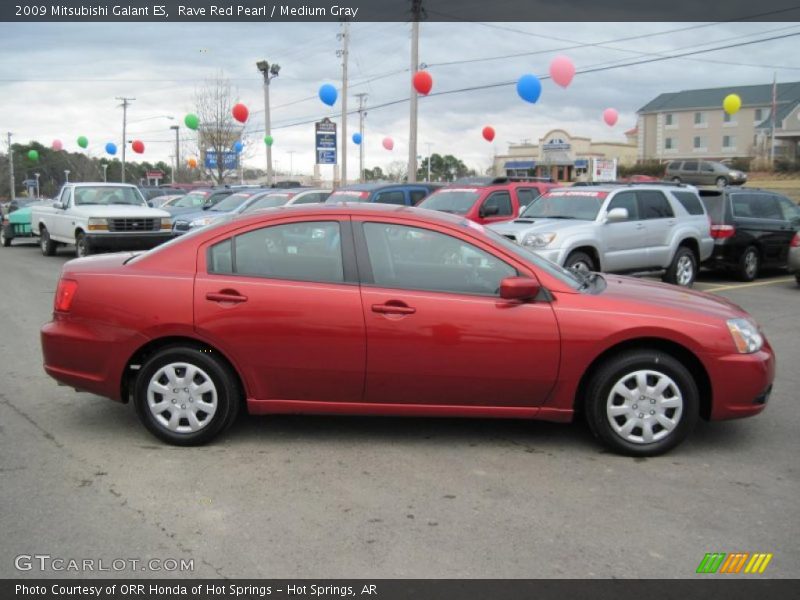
{"x": 683, "y": 269}
{"x": 47, "y": 245}
{"x": 721, "y": 182}
{"x": 797, "y": 278}
{"x": 676, "y": 179}
{"x": 581, "y": 262}
{"x": 642, "y": 403}
{"x": 186, "y": 396}
{"x": 4, "y": 239}
{"x": 749, "y": 264}
{"x": 82, "y": 245}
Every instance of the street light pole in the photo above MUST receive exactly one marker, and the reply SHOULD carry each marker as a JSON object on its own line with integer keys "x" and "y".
{"x": 177, "y": 151}
{"x": 37, "y": 185}
{"x": 66, "y": 175}
{"x": 105, "y": 172}
{"x": 291, "y": 162}
{"x": 11, "y": 167}
{"x": 269, "y": 72}
{"x": 362, "y": 97}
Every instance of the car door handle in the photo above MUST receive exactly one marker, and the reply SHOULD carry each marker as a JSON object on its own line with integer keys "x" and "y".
{"x": 226, "y": 296}
{"x": 393, "y": 309}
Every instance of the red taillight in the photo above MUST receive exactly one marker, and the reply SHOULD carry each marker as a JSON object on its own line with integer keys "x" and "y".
{"x": 796, "y": 241}
{"x": 720, "y": 232}
{"x": 65, "y": 294}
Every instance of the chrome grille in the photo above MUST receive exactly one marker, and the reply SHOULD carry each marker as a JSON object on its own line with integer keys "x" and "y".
{"x": 134, "y": 224}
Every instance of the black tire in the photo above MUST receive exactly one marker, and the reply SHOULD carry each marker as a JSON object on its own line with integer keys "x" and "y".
{"x": 580, "y": 261}
{"x": 47, "y": 245}
{"x": 228, "y": 397}
{"x": 721, "y": 182}
{"x": 797, "y": 278}
{"x": 83, "y": 246}
{"x": 616, "y": 369}
{"x": 682, "y": 270}
{"x": 749, "y": 263}
{"x": 676, "y": 179}
{"x": 5, "y": 239}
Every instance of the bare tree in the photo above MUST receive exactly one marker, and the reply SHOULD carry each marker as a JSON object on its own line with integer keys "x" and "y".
{"x": 218, "y": 131}
{"x": 396, "y": 170}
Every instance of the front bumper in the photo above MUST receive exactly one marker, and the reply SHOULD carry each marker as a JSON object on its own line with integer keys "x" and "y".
{"x": 741, "y": 383}
{"x": 129, "y": 241}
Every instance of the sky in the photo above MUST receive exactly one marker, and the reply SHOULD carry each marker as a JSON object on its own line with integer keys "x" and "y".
{"x": 60, "y": 80}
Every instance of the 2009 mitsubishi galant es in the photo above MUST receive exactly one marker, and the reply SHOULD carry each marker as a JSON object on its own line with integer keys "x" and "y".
{"x": 388, "y": 310}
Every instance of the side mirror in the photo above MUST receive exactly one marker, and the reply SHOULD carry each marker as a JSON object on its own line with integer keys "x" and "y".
{"x": 488, "y": 211}
{"x": 519, "y": 288}
{"x": 150, "y": 203}
{"x": 59, "y": 204}
{"x": 617, "y": 214}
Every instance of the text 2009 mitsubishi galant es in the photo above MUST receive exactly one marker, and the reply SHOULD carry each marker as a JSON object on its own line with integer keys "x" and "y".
{"x": 386, "y": 310}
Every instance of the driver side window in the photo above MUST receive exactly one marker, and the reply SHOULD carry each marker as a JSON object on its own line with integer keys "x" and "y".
{"x": 625, "y": 200}
{"x": 412, "y": 258}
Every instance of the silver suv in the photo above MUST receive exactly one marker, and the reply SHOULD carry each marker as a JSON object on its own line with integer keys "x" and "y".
{"x": 618, "y": 229}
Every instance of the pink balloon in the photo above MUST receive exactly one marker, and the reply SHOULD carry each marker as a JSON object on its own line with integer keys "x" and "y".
{"x": 388, "y": 143}
{"x": 562, "y": 70}
{"x": 57, "y": 145}
{"x": 610, "y": 116}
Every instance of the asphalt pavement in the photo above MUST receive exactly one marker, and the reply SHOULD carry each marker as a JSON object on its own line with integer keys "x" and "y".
{"x": 342, "y": 497}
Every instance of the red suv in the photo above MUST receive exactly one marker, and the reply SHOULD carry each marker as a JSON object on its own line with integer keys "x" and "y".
{"x": 377, "y": 309}
{"x": 494, "y": 202}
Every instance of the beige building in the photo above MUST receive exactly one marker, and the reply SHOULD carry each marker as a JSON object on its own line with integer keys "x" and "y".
{"x": 562, "y": 156}
{"x": 692, "y": 124}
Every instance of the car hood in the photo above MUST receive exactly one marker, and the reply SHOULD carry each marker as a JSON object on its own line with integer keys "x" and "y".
{"x": 117, "y": 210}
{"x": 668, "y": 298}
{"x": 179, "y": 210}
{"x": 521, "y": 226}
{"x": 200, "y": 214}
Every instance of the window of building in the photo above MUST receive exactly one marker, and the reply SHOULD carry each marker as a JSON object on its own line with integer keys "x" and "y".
{"x": 699, "y": 142}
{"x": 728, "y": 118}
{"x": 669, "y": 119}
{"x": 759, "y": 115}
{"x": 699, "y": 118}
{"x": 729, "y": 141}
{"x": 669, "y": 144}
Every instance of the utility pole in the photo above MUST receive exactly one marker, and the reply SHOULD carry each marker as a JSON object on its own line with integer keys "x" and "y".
{"x": 270, "y": 72}
{"x": 416, "y": 10}
{"x": 345, "y": 37}
{"x": 429, "y": 144}
{"x": 362, "y": 97}
{"x": 11, "y": 167}
{"x": 291, "y": 162}
{"x": 124, "y": 105}
{"x": 177, "y": 151}
{"x": 774, "y": 110}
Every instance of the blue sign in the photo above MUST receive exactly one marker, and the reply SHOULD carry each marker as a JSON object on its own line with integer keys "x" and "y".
{"x": 581, "y": 163}
{"x": 230, "y": 159}
{"x": 325, "y": 142}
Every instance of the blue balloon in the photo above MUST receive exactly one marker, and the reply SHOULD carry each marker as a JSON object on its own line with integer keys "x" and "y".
{"x": 238, "y": 146}
{"x": 328, "y": 94}
{"x": 111, "y": 148}
{"x": 529, "y": 88}
{"x": 356, "y": 138}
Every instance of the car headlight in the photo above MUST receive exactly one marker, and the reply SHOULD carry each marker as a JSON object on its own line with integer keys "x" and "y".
{"x": 166, "y": 223}
{"x": 202, "y": 222}
{"x": 96, "y": 224}
{"x": 746, "y": 336}
{"x": 538, "y": 240}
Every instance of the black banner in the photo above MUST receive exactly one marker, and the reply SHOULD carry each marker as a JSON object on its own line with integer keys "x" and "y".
{"x": 735, "y": 588}
{"x": 398, "y": 10}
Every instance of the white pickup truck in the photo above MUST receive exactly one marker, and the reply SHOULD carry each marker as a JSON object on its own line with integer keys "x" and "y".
{"x": 100, "y": 216}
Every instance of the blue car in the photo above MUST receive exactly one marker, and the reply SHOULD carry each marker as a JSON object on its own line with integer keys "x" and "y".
{"x": 404, "y": 194}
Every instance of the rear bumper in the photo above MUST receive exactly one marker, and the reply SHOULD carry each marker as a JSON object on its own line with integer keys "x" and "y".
{"x": 794, "y": 260}
{"x": 725, "y": 256}
{"x": 90, "y": 357}
{"x": 741, "y": 383}
{"x": 129, "y": 241}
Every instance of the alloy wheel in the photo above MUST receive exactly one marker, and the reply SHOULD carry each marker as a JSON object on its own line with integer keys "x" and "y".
{"x": 684, "y": 272}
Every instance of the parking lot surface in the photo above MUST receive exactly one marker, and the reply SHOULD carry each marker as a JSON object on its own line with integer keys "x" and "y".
{"x": 300, "y": 496}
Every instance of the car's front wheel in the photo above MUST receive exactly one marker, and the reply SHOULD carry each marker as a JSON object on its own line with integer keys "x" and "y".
{"x": 642, "y": 403}
{"x": 581, "y": 262}
{"x": 683, "y": 269}
{"x": 676, "y": 179}
{"x": 82, "y": 245}
{"x": 186, "y": 396}
{"x": 721, "y": 182}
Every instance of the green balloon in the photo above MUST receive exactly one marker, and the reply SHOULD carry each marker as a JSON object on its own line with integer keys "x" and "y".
{"x": 33, "y": 155}
{"x": 268, "y": 140}
{"x": 191, "y": 121}
{"x": 83, "y": 141}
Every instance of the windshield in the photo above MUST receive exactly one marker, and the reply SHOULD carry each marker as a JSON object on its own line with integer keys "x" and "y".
{"x": 107, "y": 195}
{"x": 270, "y": 201}
{"x": 566, "y": 205}
{"x": 192, "y": 200}
{"x": 347, "y": 196}
{"x": 457, "y": 201}
{"x": 232, "y": 202}
{"x": 571, "y": 278}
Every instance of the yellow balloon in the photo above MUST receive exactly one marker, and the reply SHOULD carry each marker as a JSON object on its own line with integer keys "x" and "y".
{"x": 732, "y": 104}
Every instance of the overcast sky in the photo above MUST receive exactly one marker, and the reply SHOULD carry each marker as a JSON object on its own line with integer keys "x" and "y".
{"x": 59, "y": 81}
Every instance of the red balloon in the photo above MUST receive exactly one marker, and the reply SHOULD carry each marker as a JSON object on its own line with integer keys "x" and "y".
{"x": 137, "y": 146}
{"x": 488, "y": 133}
{"x": 240, "y": 112}
{"x": 423, "y": 82}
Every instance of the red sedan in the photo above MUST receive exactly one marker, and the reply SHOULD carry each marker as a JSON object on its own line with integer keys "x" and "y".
{"x": 387, "y": 310}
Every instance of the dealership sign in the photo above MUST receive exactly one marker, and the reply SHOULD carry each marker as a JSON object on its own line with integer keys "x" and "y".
{"x": 325, "y": 142}
{"x": 229, "y": 159}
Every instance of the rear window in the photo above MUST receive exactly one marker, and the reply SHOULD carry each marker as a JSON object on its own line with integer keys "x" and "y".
{"x": 690, "y": 202}
{"x": 458, "y": 201}
{"x": 715, "y": 206}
